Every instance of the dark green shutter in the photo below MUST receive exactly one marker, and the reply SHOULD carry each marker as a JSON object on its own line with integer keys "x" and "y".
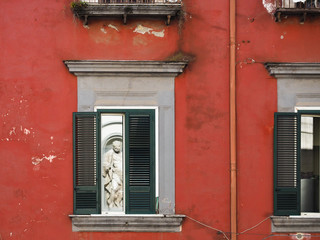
{"x": 85, "y": 162}
{"x": 286, "y": 164}
{"x": 140, "y": 162}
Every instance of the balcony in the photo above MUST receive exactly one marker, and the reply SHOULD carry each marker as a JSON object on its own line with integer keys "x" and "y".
{"x": 301, "y": 8}
{"x": 125, "y": 9}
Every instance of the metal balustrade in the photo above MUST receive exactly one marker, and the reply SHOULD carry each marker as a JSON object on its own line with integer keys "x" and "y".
{"x": 132, "y": 1}
{"x": 125, "y": 9}
{"x": 307, "y": 4}
{"x": 300, "y": 8}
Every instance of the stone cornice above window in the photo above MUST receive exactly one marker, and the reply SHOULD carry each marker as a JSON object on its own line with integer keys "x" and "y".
{"x": 293, "y": 70}
{"x": 125, "y": 68}
{"x": 295, "y": 224}
{"x": 127, "y": 223}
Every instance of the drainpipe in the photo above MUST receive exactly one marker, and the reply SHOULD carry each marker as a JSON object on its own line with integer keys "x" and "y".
{"x": 233, "y": 130}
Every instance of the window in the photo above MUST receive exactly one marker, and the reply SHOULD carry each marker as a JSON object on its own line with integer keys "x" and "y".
{"x": 109, "y": 178}
{"x": 296, "y": 162}
{"x": 298, "y": 87}
{"x": 102, "y": 85}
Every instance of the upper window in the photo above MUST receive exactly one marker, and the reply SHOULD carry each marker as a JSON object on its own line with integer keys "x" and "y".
{"x": 114, "y": 162}
{"x": 302, "y": 8}
{"x": 296, "y": 164}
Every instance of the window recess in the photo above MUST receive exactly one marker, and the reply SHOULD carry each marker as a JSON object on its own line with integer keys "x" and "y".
{"x": 296, "y": 163}
{"x": 125, "y": 175}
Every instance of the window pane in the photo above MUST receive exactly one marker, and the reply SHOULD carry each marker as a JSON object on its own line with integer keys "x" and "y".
{"x": 112, "y": 163}
{"x": 310, "y": 163}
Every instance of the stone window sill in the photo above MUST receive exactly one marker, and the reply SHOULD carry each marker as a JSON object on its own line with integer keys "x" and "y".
{"x": 295, "y": 224}
{"x": 127, "y": 223}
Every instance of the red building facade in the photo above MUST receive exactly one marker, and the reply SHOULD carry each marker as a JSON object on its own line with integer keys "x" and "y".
{"x": 56, "y": 61}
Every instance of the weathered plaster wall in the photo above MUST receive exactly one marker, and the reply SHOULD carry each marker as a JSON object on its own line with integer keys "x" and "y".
{"x": 38, "y": 95}
{"x": 260, "y": 39}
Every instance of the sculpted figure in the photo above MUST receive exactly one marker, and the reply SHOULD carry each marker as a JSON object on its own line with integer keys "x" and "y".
{"x": 112, "y": 172}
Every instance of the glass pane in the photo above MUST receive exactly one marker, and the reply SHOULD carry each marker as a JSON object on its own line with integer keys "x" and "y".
{"x": 310, "y": 163}
{"x": 112, "y": 163}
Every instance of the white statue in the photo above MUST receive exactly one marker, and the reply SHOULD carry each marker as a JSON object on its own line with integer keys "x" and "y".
{"x": 112, "y": 172}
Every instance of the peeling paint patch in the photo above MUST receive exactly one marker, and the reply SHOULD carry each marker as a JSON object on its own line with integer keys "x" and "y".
{"x": 113, "y": 27}
{"x": 12, "y": 131}
{"x": 38, "y": 160}
{"x": 158, "y": 34}
{"x": 103, "y": 30}
{"x": 270, "y": 5}
{"x": 26, "y": 131}
{"x": 142, "y": 30}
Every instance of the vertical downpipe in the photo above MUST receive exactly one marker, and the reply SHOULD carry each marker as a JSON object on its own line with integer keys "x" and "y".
{"x": 233, "y": 130}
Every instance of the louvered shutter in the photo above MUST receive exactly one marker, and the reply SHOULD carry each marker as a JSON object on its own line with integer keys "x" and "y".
{"x": 140, "y": 162}
{"x": 85, "y": 162}
{"x": 286, "y": 164}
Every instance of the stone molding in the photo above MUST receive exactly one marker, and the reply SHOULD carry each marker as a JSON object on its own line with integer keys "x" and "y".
{"x": 293, "y": 70}
{"x": 295, "y": 224}
{"x": 125, "y": 68}
{"x": 127, "y": 223}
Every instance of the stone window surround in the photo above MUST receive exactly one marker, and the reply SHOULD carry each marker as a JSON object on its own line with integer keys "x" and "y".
{"x": 298, "y": 85}
{"x": 134, "y": 83}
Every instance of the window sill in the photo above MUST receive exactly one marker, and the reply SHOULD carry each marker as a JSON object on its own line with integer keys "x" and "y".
{"x": 295, "y": 224}
{"x": 127, "y": 223}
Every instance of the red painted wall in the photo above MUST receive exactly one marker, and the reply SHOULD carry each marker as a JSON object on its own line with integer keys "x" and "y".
{"x": 260, "y": 38}
{"x": 38, "y": 95}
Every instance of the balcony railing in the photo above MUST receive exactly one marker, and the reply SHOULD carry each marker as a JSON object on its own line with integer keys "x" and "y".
{"x": 126, "y": 8}
{"x": 132, "y": 1}
{"x": 307, "y": 4}
{"x": 300, "y": 8}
